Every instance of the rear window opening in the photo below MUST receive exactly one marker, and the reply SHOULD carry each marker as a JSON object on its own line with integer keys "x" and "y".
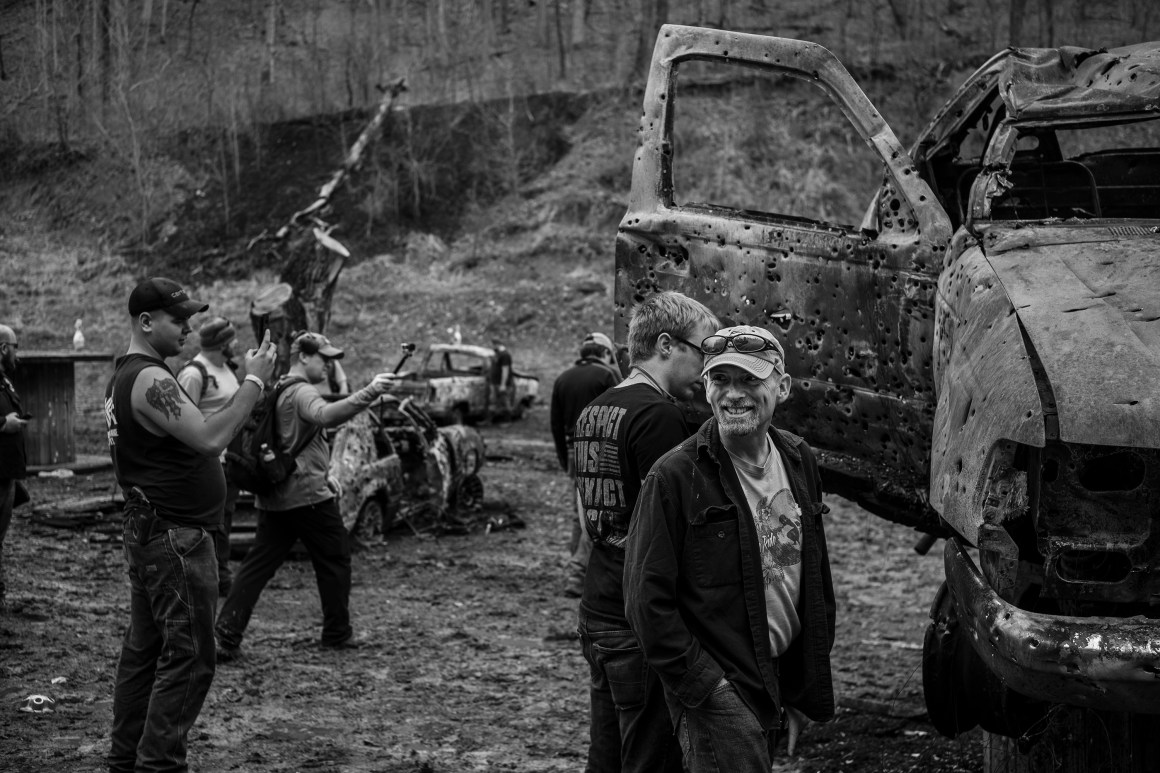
{"x": 1096, "y": 170}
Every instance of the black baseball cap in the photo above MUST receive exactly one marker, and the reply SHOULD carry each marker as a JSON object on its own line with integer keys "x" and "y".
{"x": 159, "y": 293}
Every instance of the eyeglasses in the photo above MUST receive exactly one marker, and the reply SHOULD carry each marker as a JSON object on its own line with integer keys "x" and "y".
{"x": 685, "y": 341}
{"x": 12, "y": 344}
{"x": 746, "y": 343}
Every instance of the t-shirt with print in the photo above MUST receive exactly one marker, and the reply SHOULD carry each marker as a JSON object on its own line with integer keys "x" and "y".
{"x": 618, "y": 437}
{"x": 779, "y": 533}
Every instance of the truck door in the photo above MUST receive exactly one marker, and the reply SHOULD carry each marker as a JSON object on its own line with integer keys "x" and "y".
{"x": 741, "y": 185}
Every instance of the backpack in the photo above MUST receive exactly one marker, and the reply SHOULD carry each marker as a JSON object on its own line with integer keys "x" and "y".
{"x": 256, "y": 459}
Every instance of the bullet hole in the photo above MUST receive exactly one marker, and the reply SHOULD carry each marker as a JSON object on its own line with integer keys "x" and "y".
{"x": 1049, "y": 472}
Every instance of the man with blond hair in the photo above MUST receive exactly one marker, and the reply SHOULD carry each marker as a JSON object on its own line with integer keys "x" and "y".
{"x": 617, "y": 438}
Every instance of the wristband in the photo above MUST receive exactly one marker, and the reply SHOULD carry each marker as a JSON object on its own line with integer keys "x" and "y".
{"x": 257, "y": 381}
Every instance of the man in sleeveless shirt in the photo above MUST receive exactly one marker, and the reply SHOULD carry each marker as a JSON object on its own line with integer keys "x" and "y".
{"x": 165, "y": 457}
{"x": 210, "y": 380}
{"x": 617, "y": 438}
{"x": 729, "y": 523}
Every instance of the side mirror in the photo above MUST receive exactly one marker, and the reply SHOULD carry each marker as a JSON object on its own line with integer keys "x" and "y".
{"x": 409, "y": 348}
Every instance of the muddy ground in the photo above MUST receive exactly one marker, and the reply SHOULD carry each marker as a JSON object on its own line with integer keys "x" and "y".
{"x": 470, "y": 661}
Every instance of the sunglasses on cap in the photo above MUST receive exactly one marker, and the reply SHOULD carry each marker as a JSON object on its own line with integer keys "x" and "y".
{"x": 745, "y": 343}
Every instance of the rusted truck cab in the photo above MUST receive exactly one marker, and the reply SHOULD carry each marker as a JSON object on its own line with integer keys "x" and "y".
{"x": 451, "y": 385}
{"x": 978, "y": 357}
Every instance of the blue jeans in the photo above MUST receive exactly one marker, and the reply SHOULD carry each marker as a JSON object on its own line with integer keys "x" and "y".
{"x": 722, "y": 735}
{"x": 167, "y": 656}
{"x": 221, "y": 540}
{"x": 630, "y": 729}
{"x": 320, "y": 528}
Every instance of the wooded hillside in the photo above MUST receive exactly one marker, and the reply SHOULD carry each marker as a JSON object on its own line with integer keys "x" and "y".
{"x": 127, "y": 70}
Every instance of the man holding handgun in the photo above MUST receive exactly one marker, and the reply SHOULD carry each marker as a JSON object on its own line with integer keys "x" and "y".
{"x": 165, "y": 456}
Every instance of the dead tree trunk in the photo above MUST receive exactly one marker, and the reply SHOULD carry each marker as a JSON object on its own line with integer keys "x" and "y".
{"x": 311, "y": 259}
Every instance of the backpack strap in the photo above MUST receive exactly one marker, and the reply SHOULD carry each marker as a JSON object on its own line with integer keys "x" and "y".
{"x": 207, "y": 380}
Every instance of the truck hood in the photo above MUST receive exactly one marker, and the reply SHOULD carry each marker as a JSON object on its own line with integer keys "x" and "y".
{"x": 1088, "y": 301}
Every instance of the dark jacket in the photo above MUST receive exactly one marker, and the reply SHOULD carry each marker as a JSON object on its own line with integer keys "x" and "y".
{"x": 573, "y": 390}
{"x": 694, "y": 592}
{"x": 12, "y": 453}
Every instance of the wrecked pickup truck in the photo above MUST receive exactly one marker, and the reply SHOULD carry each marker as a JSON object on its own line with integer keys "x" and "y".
{"x": 450, "y": 384}
{"x": 978, "y": 357}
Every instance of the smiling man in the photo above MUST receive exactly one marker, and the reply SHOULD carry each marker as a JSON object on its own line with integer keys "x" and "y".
{"x": 729, "y": 523}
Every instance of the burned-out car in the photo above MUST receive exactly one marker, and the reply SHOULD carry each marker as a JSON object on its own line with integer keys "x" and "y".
{"x": 395, "y": 466}
{"x": 450, "y": 384}
{"x": 977, "y": 355}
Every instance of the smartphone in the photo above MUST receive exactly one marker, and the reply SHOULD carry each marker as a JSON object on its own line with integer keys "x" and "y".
{"x": 26, "y": 416}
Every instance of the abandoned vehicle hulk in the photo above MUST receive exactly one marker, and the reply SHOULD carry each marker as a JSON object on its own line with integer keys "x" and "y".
{"x": 979, "y": 357}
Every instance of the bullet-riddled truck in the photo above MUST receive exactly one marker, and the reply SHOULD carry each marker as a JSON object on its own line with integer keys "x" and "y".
{"x": 976, "y": 353}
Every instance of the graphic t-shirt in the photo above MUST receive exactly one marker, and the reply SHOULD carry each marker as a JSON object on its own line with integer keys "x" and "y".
{"x": 779, "y": 533}
{"x": 618, "y": 437}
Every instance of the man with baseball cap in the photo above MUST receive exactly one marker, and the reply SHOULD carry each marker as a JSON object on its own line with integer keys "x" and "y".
{"x": 165, "y": 456}
{"x": 729, "y": 522}
{"x": 210, "y": 379}
{"x": 304, "y": 506}
{"x": 588, "y": 378}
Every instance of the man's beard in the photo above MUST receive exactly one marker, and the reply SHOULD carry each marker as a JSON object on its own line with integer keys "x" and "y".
{"x": 9, "y": 364}
{"x": 737, "y": 425}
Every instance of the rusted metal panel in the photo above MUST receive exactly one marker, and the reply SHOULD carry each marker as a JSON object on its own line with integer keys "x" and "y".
{"x": 1090, "y": 303}
{"x": 987, "y": 391}
{"x": 1098, "y": 662}
{"x": 1042, "y": 83}
{"x": 855, "y": 309}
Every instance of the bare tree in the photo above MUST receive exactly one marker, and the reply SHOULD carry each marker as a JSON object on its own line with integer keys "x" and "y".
{"x": 579, "y": 22}
{"x": 310, "y": 257}
{"x": 1015, "y": 22}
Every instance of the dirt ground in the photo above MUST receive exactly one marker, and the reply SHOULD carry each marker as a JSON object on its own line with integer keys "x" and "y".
{"x": 470, "y": 661}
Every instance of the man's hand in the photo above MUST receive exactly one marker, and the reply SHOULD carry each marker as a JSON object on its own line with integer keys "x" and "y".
{"x": 382, "y": 383}
{"x": 260, "y": 361}
{"x": 797, "y": 722}
{"x": 13, "y": 423}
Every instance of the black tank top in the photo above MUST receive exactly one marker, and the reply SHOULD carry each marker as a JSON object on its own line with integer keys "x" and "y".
{"x": 185, "y": 487}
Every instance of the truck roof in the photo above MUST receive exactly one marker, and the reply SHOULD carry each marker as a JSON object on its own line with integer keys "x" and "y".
{"x": 1042, "y": 83}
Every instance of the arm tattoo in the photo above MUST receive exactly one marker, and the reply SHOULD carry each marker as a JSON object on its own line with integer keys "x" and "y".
{"x": 165, "y": 396}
